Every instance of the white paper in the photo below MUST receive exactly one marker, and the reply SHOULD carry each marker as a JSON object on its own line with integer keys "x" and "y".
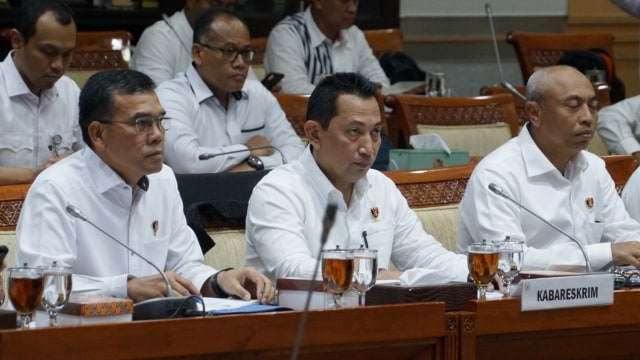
{"x": 422, "y": 277}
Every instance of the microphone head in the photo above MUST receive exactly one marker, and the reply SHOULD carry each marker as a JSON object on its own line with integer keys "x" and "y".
{"x": 487, "y": 8}
{"x": 495, "y": 189}
{"x": 75, "y": 212}
{"x": 330, "y": 213}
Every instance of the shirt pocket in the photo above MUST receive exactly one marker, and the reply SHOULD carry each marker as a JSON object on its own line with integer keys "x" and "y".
{"x": 66, "y": 141}
{"x": 594, "y": 232}
{"x": 380, "y": 238}
{"x": 16, "y": 150}
{"x": 155, "y": 249}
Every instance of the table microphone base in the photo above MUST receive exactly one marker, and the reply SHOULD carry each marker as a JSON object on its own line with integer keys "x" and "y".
{"x": 163, "y": 308}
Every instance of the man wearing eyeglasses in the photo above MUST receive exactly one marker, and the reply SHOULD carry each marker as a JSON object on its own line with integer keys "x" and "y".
{"x": 164, "y": 48}
{"x": 217, "y": 111}
{"x": 120, "y": 184}
{"x": 39, "y": 117}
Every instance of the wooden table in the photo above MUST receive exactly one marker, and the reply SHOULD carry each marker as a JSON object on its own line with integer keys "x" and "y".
{"x": 499, "y": 330}
{"x": 408, "y": 331}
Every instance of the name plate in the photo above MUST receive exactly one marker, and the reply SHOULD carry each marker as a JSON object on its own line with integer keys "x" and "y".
{"x": 568, "y": 291}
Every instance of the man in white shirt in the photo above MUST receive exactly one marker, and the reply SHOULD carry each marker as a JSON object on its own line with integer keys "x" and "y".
{"x": 547, "y": 170}
{"x": 164, "y": 48}
{"x": 217, "y": 110}
{"x": 619, "y": 127}
{"x": 120, "y": 183}
{"x": 286, "y": 208}
{"x": 631, "y": 195}
{"x": 39, "y": 117}
{"x": 320, "y": 41}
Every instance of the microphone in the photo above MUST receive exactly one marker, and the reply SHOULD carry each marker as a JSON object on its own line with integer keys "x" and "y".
{"x": 327, "y": 224}
{"x": 158, "y": 308}
{"x": 207, "y": 156}
{"x": 504, "y": 83}
{"x": 167, "y": 21}
{"x": 498, "y": 190}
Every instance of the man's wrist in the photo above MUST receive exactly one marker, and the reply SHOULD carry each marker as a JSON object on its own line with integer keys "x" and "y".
{"x": 216, "y": 287}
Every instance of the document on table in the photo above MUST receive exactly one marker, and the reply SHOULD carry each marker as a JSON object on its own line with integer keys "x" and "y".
{"x": 218, "y": 306}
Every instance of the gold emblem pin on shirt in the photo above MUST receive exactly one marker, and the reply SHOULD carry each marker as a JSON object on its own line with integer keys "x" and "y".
{"x": 154, "y": 226}
{"x": 589, "y": 202}
{"x": 375, "y": 212}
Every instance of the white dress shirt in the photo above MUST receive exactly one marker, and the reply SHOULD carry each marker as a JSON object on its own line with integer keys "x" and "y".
{"x": 298, "y": 49}
{"x": 583, "y": 203}
{"x": 200, "y": 125}
{"x": 164, "y": 49}
{"x": 28, "y": 123}
{"x": 284, "y": 224}
{"x": 631, "y": 195}
{"x": 151, "y": 222}
{"x": 619, "y": 126}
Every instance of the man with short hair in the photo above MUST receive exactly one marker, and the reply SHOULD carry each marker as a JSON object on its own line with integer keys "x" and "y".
{"x": 286, "y": 208}
{"x": 39, "y": 118}
{"x": 217, "y": 110}
{"x": 120, "y": 183}
{"x": 547, "y": 170}
{"x": 164, "y": 48}
{"x": 320, "y": 41}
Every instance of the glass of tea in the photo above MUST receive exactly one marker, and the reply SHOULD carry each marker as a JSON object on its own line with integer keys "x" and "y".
{"x": 25, "y": 291}
{"x": 365, "y": 271}
{"x": 482, "y": 260}
{"x": 57, "y": 288}
{"x": 337, "y": 273}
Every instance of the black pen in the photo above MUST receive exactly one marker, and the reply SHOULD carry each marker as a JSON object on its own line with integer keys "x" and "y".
{"x": 364, "y": 237}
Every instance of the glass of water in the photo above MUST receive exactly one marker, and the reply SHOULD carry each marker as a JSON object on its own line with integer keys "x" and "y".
{"x": 57, "y": 288}
{"x": 510, "y": 262}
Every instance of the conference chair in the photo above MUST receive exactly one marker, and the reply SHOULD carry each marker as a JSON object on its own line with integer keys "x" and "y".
{"x": 536, "y": 50}
{"x": 620, "y": 167}
{"x": 11, "y": 199}
{"x": 99, "y": 50}
{"x": 478, "y": 124}
{"x": 259, "y": 44}
{"x": 383, "y": 41}
{"x": 601, "y": 89}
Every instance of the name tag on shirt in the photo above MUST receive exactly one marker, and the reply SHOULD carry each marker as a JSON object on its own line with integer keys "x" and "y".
{"x": 567, "y": 291}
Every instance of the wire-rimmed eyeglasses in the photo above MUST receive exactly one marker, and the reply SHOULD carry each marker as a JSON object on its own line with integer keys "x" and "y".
{"x": 230, "y": 54}
{"x": 626, "y": 277}
{"x": 145, "y": 124}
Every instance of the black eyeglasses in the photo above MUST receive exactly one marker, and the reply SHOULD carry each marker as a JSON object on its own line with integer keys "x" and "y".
{"x": 230, "y": 54}
{"x": 145, "y": 124}
{"x": 626, "y": 277}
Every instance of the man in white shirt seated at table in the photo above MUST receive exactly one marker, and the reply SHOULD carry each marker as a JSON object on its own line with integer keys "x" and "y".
{"x": 39, "y": 117}
{"x": 547, "y": 170}
{"x": 164, "y": 48}
{"x": 286, "y": 208}
{"x": 217, "y": 110}
{"x": 121, "y": 184}
{"x": 318, "y": 42}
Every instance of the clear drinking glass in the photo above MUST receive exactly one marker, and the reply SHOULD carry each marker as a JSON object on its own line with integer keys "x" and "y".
{"x": 365, "y": 271}
{"x": 25, "y": 291}
{"x": 482, "y": 260}
{"x": 57, "y": 288}
{"x": 510, "y": 262}
{"x": 337, "y": 273}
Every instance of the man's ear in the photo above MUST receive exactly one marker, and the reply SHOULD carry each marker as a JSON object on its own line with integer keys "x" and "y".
{"x": 312, "y": 130}
{"x": 17, "y": 40}
{"x": 196, "y": 53}
{"x": 96, "y": 134}
{"x": 532, "y": 109}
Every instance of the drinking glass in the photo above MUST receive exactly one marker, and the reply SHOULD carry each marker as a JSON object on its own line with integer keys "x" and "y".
{"x": 510, "y": 262}
{"x": 337, "y": 273}
{"x": 365, "y": 271}
{"x": 57, "y": 288}
{"x": 25, "y": 291}
{"x": 482, "y": 260}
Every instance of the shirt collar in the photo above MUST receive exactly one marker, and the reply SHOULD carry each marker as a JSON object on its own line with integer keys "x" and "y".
{"x": 316, "y": 37}
{"x": 105, "y": 178}
{"x": 203, "y": 92}
{"x": 16, "y": 85}
{"x": 536, "y": 163}
{"x": 324, "y": 187}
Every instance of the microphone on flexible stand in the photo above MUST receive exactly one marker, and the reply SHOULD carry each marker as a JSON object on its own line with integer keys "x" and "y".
{"x": 158, "y": 308}
{"x": 327, "y": 224}
{"x": 504, "y": 83}
{"x": 207, "y": 156}
{"x": 498, "y": 190}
